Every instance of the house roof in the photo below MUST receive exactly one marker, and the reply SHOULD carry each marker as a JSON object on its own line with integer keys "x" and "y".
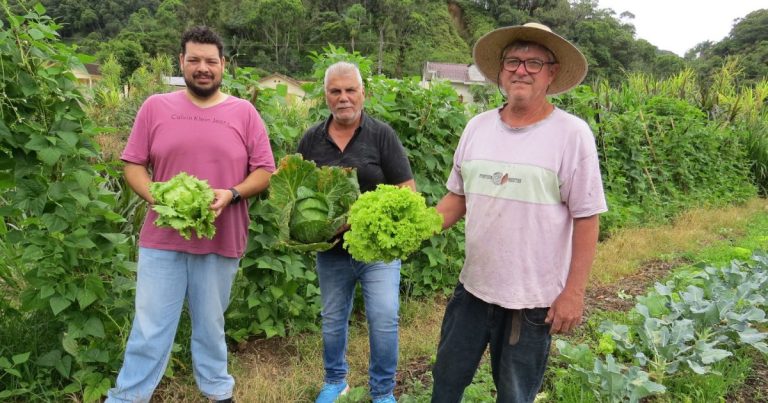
{"x": 175, "y": 81}
{"x": 93, "y": 69}
{"x": 454, "y": 72}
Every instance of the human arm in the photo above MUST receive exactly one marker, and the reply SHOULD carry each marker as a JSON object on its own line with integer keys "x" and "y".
{"x": 566, "y": 311}
{"x": 409, "y": 184}
{"x": 137, "y": 177}
{"x": 452, "y": 207}
{"x": 253, "y": 184}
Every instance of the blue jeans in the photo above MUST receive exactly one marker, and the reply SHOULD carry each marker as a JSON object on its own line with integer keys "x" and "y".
{"x": 165, "y": 279}
{"x": 519, "y": 342}
{"x": 338, "y": 273}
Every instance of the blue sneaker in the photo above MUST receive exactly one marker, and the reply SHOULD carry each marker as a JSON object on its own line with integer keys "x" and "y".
{"x": 385, "y": 399}
{"x": 331, "y": 391}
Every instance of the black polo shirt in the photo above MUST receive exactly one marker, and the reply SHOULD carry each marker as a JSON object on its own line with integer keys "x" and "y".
{"x": 374, "y": 150}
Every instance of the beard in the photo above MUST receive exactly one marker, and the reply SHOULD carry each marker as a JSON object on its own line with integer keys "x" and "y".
{"x": 203, "y": 92}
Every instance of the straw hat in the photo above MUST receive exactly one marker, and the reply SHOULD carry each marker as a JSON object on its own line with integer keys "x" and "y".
{"x": 573, "y": 64}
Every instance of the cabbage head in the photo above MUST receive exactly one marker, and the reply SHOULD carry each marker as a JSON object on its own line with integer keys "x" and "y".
{"x": 312, "y": 202}
{"x": 183, "y": 203}
{"x": 389, "y": 223}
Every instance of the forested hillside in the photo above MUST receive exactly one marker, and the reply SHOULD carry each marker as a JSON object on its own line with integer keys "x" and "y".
{"x": 399, "y": 35}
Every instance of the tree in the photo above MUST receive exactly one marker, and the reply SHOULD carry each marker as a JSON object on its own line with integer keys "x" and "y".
{"x": 748, "y": 40}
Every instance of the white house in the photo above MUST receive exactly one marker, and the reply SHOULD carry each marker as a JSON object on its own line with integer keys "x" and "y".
{"x": 294, "y": 86}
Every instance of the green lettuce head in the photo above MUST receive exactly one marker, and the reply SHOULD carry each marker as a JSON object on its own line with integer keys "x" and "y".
{"x": 183, "y": 203}
{"x": 389, "y": 223}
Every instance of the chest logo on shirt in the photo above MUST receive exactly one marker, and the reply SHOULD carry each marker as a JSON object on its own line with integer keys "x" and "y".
{"x": 500, "y": 178}
{"x": 203, "y": 119}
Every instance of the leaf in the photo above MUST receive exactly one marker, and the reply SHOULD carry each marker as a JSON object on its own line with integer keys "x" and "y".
{"x": 64, "y": 366}
{"x": 714, "y": 355}
{"x": 115, "y": 238}
{"x": 49, "y": 156}
{"x": 262, "y": 313}
{"x": 54, "y": 222}
{"x": 46, "y": 291}
{"x": 20, "y": 358}
{"x": 72, "y": 387}
{"x": 85, "y": 297}
{"x": 277, "y": 292}
{"x": 70, "y": 345}
{"x": 59, "y": 304}
{"x": 94, "y": 327}
{"x": 83, "y": 178}
{"x": 50, "y": 358}
{"x": 35, "y": 34}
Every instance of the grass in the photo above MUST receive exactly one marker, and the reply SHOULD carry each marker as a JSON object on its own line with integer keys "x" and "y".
{"x": 690, "y": 234}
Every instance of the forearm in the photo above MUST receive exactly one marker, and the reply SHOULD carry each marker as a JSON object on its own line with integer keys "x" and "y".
{"x": 137, "y": 177}
{"x": 409, "y": 184}
{"x": 584, "y": 245}
{"x": 452, "y": 207}
{"x": 254, "y": 183}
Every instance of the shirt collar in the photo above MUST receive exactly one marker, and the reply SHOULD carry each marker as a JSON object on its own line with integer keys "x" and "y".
{"x": 363, "y": 122}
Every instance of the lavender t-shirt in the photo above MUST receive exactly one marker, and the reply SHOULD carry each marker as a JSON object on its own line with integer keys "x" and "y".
{"x": 221, "y": 144}
{"x": 523, "y": 187}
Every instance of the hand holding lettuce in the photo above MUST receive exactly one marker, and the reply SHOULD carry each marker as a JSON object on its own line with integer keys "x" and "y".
{"x": 183, "y": 203}
{"x": 389, "y": 223}
{"x": 312, "y": 202}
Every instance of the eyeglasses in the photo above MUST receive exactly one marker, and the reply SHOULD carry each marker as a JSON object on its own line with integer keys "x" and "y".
{"x": 532, "y": 66}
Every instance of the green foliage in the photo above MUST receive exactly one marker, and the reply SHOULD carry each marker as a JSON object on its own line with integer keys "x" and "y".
{"x": 183, "y": 203}
{"x": 660, "y": 154}
{"x": 389, "y": 223}
{"x": 70, "y": 257}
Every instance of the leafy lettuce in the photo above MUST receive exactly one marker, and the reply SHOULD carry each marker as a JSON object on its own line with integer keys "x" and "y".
{"x": 183, "y": 203}
{"x": 389, "y": 223}
{"x": 312, "y": 202}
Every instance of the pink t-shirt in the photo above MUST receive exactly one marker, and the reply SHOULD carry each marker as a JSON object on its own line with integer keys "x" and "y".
{"x": 523, "y": 187}
{"x": 221, "y": 144}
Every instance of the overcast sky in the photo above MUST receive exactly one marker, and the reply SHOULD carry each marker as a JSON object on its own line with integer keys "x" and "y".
{"x": 679, "y": 25}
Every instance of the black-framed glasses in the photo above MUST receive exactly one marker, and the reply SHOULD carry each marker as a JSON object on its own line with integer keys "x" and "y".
{"x": 532, "y": 66}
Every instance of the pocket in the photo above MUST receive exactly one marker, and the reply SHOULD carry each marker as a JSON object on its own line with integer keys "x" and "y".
{"x": 536, "y": 316}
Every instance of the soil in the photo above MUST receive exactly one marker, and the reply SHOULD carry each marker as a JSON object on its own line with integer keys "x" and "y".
{"x": 620, "y": 296}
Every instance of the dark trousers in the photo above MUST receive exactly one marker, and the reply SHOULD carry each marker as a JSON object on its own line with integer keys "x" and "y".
{"x": 519, "y": 341}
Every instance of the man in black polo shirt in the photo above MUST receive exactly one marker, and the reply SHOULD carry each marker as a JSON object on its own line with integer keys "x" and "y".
{"x": 350, "y": 138}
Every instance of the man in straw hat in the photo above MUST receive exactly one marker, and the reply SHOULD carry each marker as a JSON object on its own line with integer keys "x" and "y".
{"x": 527, "y": 178}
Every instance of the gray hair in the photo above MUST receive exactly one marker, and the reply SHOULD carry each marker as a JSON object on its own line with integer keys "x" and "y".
{"x": 525, "y": 45}
{"x": 340, "y": 68}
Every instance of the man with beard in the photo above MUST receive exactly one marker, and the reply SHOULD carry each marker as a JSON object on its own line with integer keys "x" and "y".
{"x": 218, "y": 138}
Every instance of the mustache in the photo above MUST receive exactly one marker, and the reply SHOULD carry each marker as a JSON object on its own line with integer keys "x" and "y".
{"x": 202, "y": 75}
